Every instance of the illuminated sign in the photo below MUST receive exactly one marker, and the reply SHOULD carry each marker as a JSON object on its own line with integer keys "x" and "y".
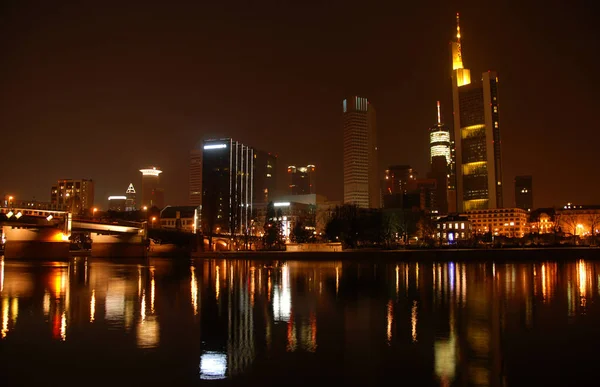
{"x": 215, "y": 146}
{"x": 117, "y": 197}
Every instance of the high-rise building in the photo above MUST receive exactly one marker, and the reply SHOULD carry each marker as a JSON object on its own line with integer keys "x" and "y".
{"x": 130, "y": 198}
{"x": 228, "y": 186}
{"x": 301, "y": 180}
{"x": 152, "y": 193}
{"x": 117, "y": 203}
{"x": 195, "y": 177}
{"x": 361, "y": 174}
{"x": 439, "y": 139}
{"x": 395, "y": 185}
{"x": 72, "y": 195}
{"x": 476, "y": 135}
{"x": 524, "y": 192}
{"x": 265, "y": 177}
{"x": 439, "y": 172}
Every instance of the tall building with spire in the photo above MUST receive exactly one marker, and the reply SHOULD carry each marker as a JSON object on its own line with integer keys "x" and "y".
{"x": 361, "y": 182}
{"x": 439, "y": 139}
{"x": 476, "y": 135}
{"x": 130, "y": 198}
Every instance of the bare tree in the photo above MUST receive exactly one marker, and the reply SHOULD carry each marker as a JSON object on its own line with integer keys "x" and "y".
{"x": 594, "y": 220}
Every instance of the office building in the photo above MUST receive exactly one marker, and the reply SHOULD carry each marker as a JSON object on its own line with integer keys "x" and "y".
{"x": 152, "y": 193}
{"x": 72, "y": 195}
{"x": 130, "y": 198}
{"x": 476, "y": 135}
{"x": 395, "y": 185}
{"x": 508, "y": 222}
{"x": 117, "y": 203}
{"x": 524, "y": 192}
{"x": 439, "y": 140}
{"x": 361, "y": 174}
{"x": 265, "y": 177}
{"x": 228, "y": 181}
{"x": 301, "y": 180}
{"x": 454, "y": 228}
{"x": 195, "y": 177}
{"x": 439, "y": 172}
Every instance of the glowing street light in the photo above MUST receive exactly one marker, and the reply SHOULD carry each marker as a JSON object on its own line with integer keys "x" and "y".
{"x": 153, "y": 220}
{"x": 145, "y": 208}
{"x": 9, "y": 215}
{"x": 18, "y": 215}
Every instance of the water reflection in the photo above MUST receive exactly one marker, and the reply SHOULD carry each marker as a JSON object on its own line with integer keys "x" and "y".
{"x": 453, "y": 323}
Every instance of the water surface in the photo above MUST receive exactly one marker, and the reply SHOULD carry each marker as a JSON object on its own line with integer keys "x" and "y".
{"x": 230, "y": 322}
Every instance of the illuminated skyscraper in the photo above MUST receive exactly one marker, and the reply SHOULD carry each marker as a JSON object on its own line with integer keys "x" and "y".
{"x": 361, "y": 175}
{"x": 524, "y": 192}
{"x": 476, "y": 135}
{"x": 439, "y": 139}
{"x": 301, "y": 180}
{"x": 130, "y": 198}
{"x": 152, "y": 193}
{"x": 195, "y": 177}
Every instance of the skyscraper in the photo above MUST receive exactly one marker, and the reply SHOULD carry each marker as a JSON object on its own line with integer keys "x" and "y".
{"x": 439, "y": 139}
{"x": 227, "y": 184}
{"x": 476, "y": 135}
{"x": 301, "y": 180}
{"x": 524, "y": 192}
{"x": 152, "y": 193}
{"x": 361, "y": 175}
{"x": 130, "y": 198}
{"x": 395, "y": 185}
{"x": 195, "y": 177}
{"x": 265, "y": 177}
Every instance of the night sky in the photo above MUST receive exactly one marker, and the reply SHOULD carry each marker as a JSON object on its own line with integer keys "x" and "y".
{"x": 99, "y": 91}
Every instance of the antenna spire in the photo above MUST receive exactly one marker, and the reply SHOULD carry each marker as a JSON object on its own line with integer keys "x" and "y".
{"x": 458, "y": 27}
{"x": 439, "y": 114}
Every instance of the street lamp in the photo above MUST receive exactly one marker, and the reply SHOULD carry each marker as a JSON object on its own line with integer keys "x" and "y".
{"x": 153, "y": 220}
{"x": 10, "y": 201}
{"x": 94, "y": 212}
{"x": 145, "y": 208}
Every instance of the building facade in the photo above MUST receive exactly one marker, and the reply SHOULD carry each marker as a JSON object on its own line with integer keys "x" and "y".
{"x": 301, "y": 180}
{"x": 195, "y": 177}
{"x": 75, "y": 195}
{"x": 439, "y": 140}
{"x": 152, "y": 193}
{"x": 579, "y": 220}
{"x": 117, "y": 203}
{"x": 524, "y": 192}
{"x": 228, "y": 186}
{"x": 183, "y": 218}
{"x": 508, "y": 222}
{"x": 477, "y": 136}
{"x": 452, "y": 229}
{"x": 361, "y": 174}
{"x": 265, "y": 176}
{"x": 439, "y": 172}
{"x": 395, "y": 185}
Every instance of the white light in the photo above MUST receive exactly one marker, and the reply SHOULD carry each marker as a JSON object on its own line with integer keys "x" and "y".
{"x": 117, "y": 198}
{"x": 49, "y": 218}
{"x": 18, "y": 215}
{"x": 150, "y": 172}
{"x": 215, "y": 146}
{"x": 281, "y": 204}
{"x": 10, "y": 213}
{"x": 213, "y": 365}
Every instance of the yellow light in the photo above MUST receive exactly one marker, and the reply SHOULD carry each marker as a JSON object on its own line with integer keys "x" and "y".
{"x": 145, "y": 208}
{"x": 95, "y": 210}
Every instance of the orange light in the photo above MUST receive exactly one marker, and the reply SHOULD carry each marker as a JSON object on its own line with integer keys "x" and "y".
{"x": 153, "y": 218}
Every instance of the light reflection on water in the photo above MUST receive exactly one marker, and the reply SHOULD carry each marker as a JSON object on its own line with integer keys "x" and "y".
{"x": 451, "y": 323}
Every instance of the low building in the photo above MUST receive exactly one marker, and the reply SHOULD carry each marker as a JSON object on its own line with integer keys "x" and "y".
{"x": 452, "y": 229}
{"x": 183, "y": 218}
{"x": 579, "y": 220}
{"x": 117, "y": 203}
{"x": 507, "y": 222}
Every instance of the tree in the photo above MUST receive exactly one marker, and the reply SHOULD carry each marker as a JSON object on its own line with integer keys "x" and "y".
{"x": 299, "y": 233}
{"x": 389, "y": 227}
{"x": 343, "y": 226}
{"x": 594, "y": 220}
{"x": 425, "y": 228}
{"x": 272, "y": 227}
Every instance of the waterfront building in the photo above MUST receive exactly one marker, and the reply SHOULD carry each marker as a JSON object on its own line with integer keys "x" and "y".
{"x": 152, "y": 193}
{"x": 361, "y": 174}
{"x": 301, "y": 179}
{"x": 182, "y": 218}
{"x": 75, "y": 195}
{"x": 508, "y": 222}
{"x": 524, "y": 192}
{"x": 579, "y": 220}
{"x": 454, "y": 228}
{"x": 195, "y": 177}
{"x": 476, "y": 135}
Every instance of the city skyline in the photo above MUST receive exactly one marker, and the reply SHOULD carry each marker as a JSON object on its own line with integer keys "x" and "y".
{"x": 154, "y": 129}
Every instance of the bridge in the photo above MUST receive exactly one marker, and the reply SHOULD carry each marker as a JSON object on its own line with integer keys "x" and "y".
{"x": 30, "y": 233}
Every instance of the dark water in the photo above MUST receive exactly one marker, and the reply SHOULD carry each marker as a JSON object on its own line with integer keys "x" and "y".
{"x": 168, "y": 322}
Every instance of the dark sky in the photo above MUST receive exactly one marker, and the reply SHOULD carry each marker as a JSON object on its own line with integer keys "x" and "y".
{"x": 100, "y": 90}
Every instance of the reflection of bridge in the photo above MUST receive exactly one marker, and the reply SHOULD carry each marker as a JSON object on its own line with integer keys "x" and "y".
{"x": 34, "y": 233}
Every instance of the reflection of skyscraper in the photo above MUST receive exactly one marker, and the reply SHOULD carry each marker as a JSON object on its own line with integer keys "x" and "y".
{"x": 361, "y": 174}
{"x": 152, "y": 193}
{"x": 476, "y": 135}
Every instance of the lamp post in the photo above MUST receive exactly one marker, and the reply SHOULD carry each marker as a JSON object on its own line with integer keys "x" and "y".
{"x": 10, "y": 201}
{"x": 153, "y": 220}
{"x": 94, "y": 212}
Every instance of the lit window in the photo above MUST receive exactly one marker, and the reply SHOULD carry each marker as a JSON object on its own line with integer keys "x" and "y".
{"x": 456, "y": 226}
{"x": 496, "y": 124}
{"x": 462, "y": 226}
